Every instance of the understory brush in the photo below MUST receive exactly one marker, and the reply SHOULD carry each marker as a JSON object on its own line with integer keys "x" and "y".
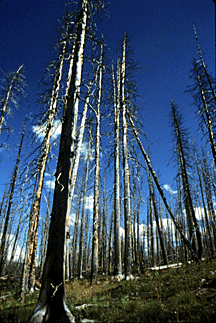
{"x": 182, "y": 294}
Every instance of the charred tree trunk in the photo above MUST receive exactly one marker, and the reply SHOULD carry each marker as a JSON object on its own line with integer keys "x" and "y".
{"x": 51, "y": 306}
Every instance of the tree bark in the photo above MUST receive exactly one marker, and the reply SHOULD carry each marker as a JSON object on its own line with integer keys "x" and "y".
{"x": 96, "y": 180}
{"x": 194, "y": 232}
{"x": 160, "y": 190}
{"x": 11, "y": 88}
{"x": 117, "y": 238}
{"x": 81, "y": 240}
{"x": 51, "y": 306}
{"x": 12, "y": 188}
{"x": 127, "y": 206}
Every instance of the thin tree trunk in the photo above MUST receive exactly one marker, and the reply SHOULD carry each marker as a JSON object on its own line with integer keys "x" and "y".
{"x": 17, "y": 235}
{"x": 81, "y": 240}
{"x": 208, "y": 117}
{"x": 96, "y": 180}
{"x": 7, "y": 218}
{"x": 75, "y": 233}
{"x": 110, "y": 245}
{"x": 10, "y": 89}
{"x": 158, "y": 228}
{"x": 117, "y": 238}
{"x": 127, "y": 207}
{"x": 104, "y": 229}
{"x": 32, "y": 247}
{"x": 211, "y": 210}
{"x": 203, "y": 204}
{"x": 160, "y": 190}
{"x": 45, "y": 235}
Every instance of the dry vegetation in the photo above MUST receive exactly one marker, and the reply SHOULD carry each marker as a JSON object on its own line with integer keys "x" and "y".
{"x": 184, "y": 294}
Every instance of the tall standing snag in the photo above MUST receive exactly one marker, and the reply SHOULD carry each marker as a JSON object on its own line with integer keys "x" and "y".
{"x": 127, "y": 206}
{"x": 160, "y": 190}
{"x": 117, "y": 241}
{"x": 94, "y": 268}
{"x": 51, "y": 306}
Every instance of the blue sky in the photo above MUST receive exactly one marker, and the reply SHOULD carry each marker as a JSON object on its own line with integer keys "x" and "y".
{"x": 164, "y": 45}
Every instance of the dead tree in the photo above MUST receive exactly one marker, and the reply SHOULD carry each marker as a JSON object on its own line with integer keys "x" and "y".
{"x": 13, "y": 86}
{"x": 94, "y": 268}
{"x": 51, "y": 306}
{"x": 10, "y": 201}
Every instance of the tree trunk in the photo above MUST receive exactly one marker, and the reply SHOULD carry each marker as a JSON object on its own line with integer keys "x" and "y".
{"x": 96, "y": 180}
{"x": 160, "y": 190}
{"x": 32, "y": 246}
{"x": 45, "y": 234}
{"x": 8, "y": 94}
{"x": 12, "y": 188}
{"x": 104, "y": 230}
{"x": 117, "y": 238}
{"x": 51, "y": 306}
{"x": 194, "y": 232}
{"x": 208, "y": 119}
{"x": 127, "y": 207}
{"x": 81, "y": 241}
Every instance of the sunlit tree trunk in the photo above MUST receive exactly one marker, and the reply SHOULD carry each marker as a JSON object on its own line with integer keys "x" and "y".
{"x": 94, "y": 268}
{"x": 33, "y": 239}
{"x": 127, "y": 206}
{"x": 76, "y": 226}
{"x": 104, "y": 229}
{"x": 45, "y": 235}
{"x": 76, "y": 157}
{"x": 194, "y": 232}
{"x": 160, "y": 190}
{"x": 85, "y": 251}
{"x": 82, "y": 225}
{"x": 110, "y": 244}
{"x": 17, "y": 235}
{"x": 208, "y": 191}
{"x": 158, "y": 227}
{"x": 10, "y": 201}
{"x": 51, "y": 306}
{"x": 203, "y": 203}
{"x": 16, "y": 84}
{"x": 117, "y": 241}
{"x": 207, "y": 119}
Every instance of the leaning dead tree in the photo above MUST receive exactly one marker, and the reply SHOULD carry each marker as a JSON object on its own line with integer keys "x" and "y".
{"x": 182, "y": 150}
{"x": 160, "y": 190}
{"x": 10, "y": 201}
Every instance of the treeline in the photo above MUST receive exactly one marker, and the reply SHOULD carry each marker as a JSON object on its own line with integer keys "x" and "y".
{"x": 101, "y": 154}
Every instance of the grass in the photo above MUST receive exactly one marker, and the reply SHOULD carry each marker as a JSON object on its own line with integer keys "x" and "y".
{"x": 185, "y": 294}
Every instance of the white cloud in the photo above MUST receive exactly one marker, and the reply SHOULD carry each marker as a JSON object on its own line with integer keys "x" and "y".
{"x": 50, "y": 183}
{"x": 169, "y": 189}
{"x": 84, "y": 151}
{"x": 40, "y": 130}
{"x": 72, "y": 219}
{"x": 90, "y": 202}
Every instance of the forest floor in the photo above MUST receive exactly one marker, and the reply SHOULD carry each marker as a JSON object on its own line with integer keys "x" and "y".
{"x": 176, "y": 294}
